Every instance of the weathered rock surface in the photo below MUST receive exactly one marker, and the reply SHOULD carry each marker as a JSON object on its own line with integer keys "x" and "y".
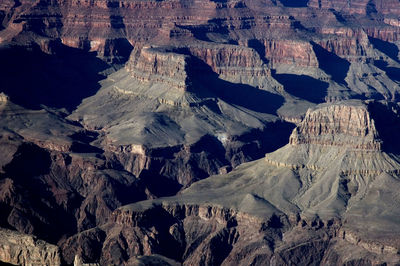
{"x": 20, "y": 249}
{"x": 53, "y": 182}
{"x": 156, "y": 122}
{"x": 358, "y": 6}
{"x": 301, "y": 204}
{"x": 110, "y": 102}
{"x": 349, "y": 125}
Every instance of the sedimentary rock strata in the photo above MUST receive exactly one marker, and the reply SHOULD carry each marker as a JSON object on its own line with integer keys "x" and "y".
{"x": 107, "y": 103}
{"x": 270, "y": 210}
{"x": 20, "y": 249}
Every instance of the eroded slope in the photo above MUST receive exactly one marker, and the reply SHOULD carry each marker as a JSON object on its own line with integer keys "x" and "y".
{"x": 300, "y": 204}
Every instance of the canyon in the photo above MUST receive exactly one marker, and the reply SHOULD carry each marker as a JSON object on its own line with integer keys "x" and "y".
{"x": 199, "y": 132}
{"x": 298, "y": 205}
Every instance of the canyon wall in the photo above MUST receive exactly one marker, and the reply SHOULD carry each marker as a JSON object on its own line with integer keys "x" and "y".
{"x": 341, "y": 125}
{"x": 104, "y": 104}
{"x": 20, "y": 249}
{"x": 264, "y": 211}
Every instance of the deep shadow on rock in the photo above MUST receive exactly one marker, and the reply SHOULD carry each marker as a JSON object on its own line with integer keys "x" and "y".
{"x": 304, "y": 87}
{"x": 292, "y": 3}
{"x": 159, "y": 185}
{"x": 331, "y": 63}
{"x": 205, "y": 82}
{"x": 260, "y": 48}
{"x": 61, "y": 80}
{"x": 392, "y": 72}
{"x": 387, "y": 123}
{"x": 274, "y": 137}
{"x": 214, "y": 26}
{"x": 34, "y": 212}
{"x": 370, "y": 8}
{"x": 389, "y": 49}
{"x": 35, "y": 161}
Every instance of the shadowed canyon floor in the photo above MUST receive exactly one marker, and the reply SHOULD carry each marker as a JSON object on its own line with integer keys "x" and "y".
{"x": 200, "y": 132}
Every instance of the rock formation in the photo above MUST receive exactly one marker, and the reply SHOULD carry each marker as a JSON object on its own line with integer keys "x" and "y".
{"x": 107, "y": 103}
{"x": 20, "y": 249}
{"x": 348, "y": 125}
{"x": 358, "y": 7}
{"x": 298, "y": 205}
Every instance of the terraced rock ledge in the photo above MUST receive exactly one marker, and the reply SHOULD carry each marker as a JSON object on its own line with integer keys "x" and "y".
{"x": 298, "y": 205}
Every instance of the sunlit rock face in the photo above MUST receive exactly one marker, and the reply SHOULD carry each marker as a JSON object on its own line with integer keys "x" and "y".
{"x": 104, "y": 104}
{"x": 301, "y": 199}
{"x": 338, "y": 125}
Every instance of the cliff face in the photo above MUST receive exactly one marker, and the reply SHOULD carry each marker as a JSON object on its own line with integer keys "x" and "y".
{"x": 289, "y": 52}
{"x": 296, "y": 201}
{"x": 349, "y": 126}
{"x": 20, "y": 249}
{"x": 113, "y": 28}
{"x": 347, "y": 133}
{"x": 152, "y": 65}
{"x": 230, "y": 61}
{"x": 175, "y": 67}
{"x": 358, "y": 6}
{"x": 107, "y": 103}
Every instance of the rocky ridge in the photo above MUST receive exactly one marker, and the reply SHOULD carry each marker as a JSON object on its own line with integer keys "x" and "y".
{"x": 273, "y": 201}
{"x": 20, "y": 249}
{"x": 131, "y": 100}
{"x": 348, "y": 125}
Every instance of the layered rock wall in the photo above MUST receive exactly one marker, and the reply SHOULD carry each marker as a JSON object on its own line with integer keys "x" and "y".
{"x": 231, "y": 60}
{"x": 290, "y": 52}
{"x": 358, "y": 6}
{"x": 20, "y": 249}
{"x": 338, "y": 125}
{"x": 159, "y": 66}
{"x": 111, "y": 28}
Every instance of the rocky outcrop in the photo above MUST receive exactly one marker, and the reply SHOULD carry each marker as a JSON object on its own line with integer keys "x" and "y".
{"x": 358, "y": 6}
{"x": 352, "y": 45}
{"x": 232, "y": 60}
{"x": 80, "y": 192}
{"x": 263, "y": 212}
{"x": 123, "y": 101}
{"x": 159, "y": 66}
{"x": 174, "y": 66}
{"x": 21, "y": 249}
{"x": 200, "y": 234}
{"x": 348, "y": 125}
{"x": 290, "y": 52}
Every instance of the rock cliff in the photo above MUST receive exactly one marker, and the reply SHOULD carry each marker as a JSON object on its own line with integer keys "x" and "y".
{"x": 107, "y": 103}
{"x": 358, "y": 6}
{"x": 158, "y": 66}
{"x": 113, "y": 28}
{"x": 20, "y": 249}
{"x": 275, "y": 211}
{"x": 350, "y": 126}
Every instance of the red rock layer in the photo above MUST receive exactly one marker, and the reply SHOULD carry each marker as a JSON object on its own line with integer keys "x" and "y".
{"x": 358, "y": 6}
{"x": 109, "y": 27}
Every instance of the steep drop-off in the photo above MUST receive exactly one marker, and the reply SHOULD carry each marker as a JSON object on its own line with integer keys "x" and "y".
{"x": 300, "y": 204}
{"x": 107, "y": 103}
